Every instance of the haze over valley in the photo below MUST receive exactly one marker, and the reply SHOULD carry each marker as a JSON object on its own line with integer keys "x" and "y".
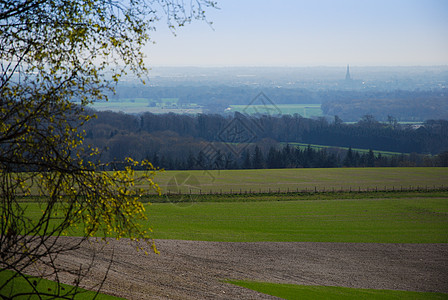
{"x": 409, "y": 94}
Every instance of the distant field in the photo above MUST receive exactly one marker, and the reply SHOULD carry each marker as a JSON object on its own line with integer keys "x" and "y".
{"x": 166, "y": 105}
{"x": 305, "y": 110}
{"x": 139, "y": 105}
{"x": 319, "y": 147}
{"x": 300, "y": 179}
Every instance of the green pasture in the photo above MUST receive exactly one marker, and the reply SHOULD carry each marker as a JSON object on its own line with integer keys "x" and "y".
{"x": 305, "y": 292}
{"x": 265, "y": 180}
{"x": 293, "y": 180}
{"x": 138, "y": 102}
{"x": 123, "y": 103}
{"x": 405, "y": 220}
{"x": 63, "y": 291}
{"x": 419, "y": 217}
{"x": 361, "y": 217}
{"x": 139, "y": 105}
{"x": 303, "y": 146}
{"x": 305, "y": 110}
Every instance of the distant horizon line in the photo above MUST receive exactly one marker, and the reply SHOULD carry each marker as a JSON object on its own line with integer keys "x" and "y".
{"x": 291, "y": 67}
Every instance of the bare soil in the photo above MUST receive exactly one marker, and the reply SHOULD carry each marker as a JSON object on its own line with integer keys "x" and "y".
{"x": 197, "y": 270}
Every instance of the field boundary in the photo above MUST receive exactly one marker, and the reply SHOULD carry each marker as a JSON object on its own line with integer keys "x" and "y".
{"x": 279, "y": 195}
{"x": 287, "y": 194}
{"x": 314, "y": 189}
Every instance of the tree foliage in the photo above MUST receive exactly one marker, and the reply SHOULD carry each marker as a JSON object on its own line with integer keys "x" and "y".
{"x": 54, "y": 53}
{"x": 403, "y": 105}
{"x": 174, "y": 135}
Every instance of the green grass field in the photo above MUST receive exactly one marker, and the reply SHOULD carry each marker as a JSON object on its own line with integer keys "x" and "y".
{"x": 226, "y": 181}
{"x": 306, "y": 292}
{"x": 63, "y": 291}
{"x": 368, "y": 217}
{"x": 304, "y": 179}
{"x": 139, "y": 105}
{"x": 392, "y": 217}
{"x": 305, "y": 110}
{"x": 319, "y": 147}
{"x": 375, "y": 217}
{"x": 415, "y": 220}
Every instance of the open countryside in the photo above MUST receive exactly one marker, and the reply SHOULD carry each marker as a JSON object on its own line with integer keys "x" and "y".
{"x": 167, "y": 105}
{"x": 248, "y": 234}
{"x": 270, "y": 150}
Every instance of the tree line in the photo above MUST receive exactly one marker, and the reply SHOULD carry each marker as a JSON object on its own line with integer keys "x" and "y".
{"x": 403, "y": 105}
{"x": 175, "y": 141}
{"x": 293, "y": 157}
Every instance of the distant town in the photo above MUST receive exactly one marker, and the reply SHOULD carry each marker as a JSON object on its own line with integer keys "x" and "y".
{"x": 409, "y": 94}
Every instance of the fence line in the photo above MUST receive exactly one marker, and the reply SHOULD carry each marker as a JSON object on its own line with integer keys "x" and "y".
{"x": 314, "y": 189}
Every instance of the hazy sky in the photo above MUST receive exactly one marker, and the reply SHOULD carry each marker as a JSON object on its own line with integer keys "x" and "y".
{"x": 310, "y": 33}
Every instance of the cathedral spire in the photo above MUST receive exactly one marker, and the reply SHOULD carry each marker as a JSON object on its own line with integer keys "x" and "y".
{"x": 347, "y": 75}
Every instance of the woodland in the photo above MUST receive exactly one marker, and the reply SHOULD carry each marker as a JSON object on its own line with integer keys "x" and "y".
{"x": 211, "y": 141}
